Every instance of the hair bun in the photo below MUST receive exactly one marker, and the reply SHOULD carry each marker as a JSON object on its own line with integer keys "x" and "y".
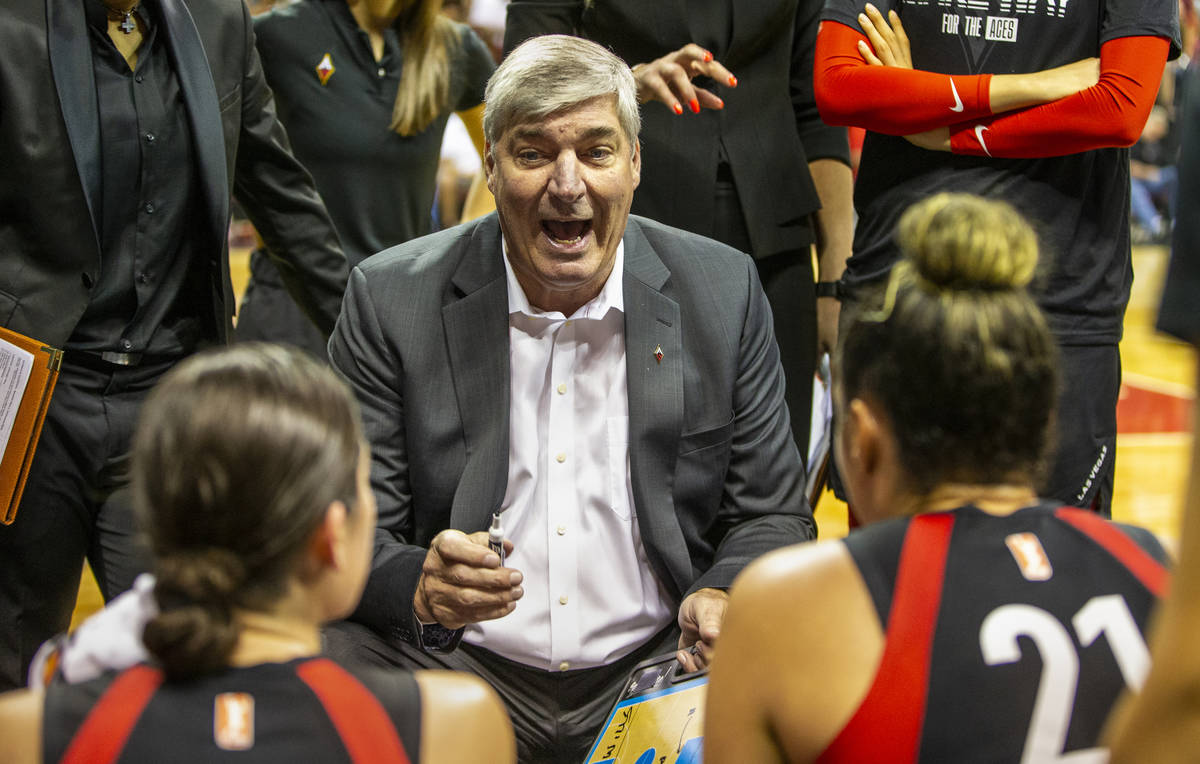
{"x": 958, "y": 242}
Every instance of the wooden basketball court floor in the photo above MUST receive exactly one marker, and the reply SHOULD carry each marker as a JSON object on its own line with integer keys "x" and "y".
{"x": 1153, "y": 440}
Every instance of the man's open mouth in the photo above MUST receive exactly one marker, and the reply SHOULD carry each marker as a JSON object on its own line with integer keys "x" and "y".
{"x": 566, "y": 231}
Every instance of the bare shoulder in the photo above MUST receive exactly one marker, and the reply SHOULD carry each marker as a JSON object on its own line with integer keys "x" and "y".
{"x": 21, "y": 726}
{"x": 800, "y": 640}
{"x": 451, "y": 702}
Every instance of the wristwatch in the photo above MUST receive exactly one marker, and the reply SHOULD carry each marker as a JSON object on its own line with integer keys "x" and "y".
{"x": 829, "y": 289}
{"x": 435, "y": 636}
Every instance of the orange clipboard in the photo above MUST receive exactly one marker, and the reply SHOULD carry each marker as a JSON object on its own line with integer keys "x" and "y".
{"x": 23, "y": 401}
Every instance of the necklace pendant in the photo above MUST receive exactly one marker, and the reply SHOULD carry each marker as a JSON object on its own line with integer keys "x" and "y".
{"x": 128, "y": 25}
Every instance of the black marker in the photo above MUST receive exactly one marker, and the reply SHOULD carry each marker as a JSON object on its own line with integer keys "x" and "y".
{"x": 496, "y": 537}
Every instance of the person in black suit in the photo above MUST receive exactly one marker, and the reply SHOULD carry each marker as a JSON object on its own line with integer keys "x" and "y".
{"x": 743, "y": 159}
{"x": 124, "y": 127}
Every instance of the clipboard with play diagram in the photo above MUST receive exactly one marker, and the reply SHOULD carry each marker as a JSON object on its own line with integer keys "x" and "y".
{"x": 658, "y": 718}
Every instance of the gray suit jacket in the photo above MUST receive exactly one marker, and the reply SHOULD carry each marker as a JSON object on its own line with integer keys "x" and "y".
{"x": 423, "y": 341}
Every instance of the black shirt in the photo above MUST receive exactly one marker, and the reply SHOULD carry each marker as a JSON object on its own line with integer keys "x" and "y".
{"x": 1078, "y": 204}
{"x": 378, "y": 185}
{"x": 151, "y": 295}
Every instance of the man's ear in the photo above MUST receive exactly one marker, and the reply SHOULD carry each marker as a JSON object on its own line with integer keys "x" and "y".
{"x": 489, "y": 166}
{"x": 637, "y": 163}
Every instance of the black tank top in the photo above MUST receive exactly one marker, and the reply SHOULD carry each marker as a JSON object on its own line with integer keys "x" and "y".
{"x": 311, "y": 709}
{"x": 1008, "y": 638}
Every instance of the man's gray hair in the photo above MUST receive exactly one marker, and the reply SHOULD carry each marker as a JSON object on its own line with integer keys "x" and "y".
{"x": 551, "y": 74}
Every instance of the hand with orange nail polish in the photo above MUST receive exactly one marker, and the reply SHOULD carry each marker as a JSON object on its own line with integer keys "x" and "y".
{"x": 669, "y": 79}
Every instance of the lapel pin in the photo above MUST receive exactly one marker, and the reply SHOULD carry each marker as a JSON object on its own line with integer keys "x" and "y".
{"x": 325, "y": 69}
{"x": 658, "y": 353}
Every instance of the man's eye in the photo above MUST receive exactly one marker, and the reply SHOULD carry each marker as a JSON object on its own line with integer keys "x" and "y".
{"x": 527, "y": 155}
{"x": 598, "y": 153}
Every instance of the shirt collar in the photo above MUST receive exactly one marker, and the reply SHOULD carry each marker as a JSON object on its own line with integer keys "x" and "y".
{"x": 612, "y": 294}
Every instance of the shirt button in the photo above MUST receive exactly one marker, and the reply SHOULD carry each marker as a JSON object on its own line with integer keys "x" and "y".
{"x": 149, "y": 137}
{"x": 564, "y": 666}
{"x": 562, "y": 529}
{"x": 149, "y": 208}
{"x": 562, "y": 389}
{"x": 138, "y": 78}
{"x": 560, "y": 458}
{"x": 382, "y": 71}
{"x": 126, "y": 344}
{"x": 143, "y": 278}
{"x": 562, "y": 600}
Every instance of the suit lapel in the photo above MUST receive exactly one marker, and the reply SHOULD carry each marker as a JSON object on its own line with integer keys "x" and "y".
{"x": 204, "y": 113}
{"x": 652, "y": 326}
{"x": 71, "y": 65}
{"x": 476, "y": 327}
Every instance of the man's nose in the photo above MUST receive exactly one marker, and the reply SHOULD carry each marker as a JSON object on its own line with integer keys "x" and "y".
{"x": 566, "y": 182}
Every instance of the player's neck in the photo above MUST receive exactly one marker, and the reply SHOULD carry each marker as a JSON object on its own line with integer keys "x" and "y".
{"x": 273, "y": 638}
{"x": 993, "y": 498}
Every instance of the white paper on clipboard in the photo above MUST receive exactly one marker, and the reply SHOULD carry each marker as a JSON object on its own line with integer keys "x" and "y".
{"x": 16, "y": 365}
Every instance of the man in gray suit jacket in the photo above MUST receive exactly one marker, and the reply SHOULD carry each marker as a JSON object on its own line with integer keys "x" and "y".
{"x": 607, "y": 386}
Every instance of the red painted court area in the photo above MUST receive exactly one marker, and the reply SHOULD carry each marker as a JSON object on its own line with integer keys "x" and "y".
{"x": 1142, "y": 410}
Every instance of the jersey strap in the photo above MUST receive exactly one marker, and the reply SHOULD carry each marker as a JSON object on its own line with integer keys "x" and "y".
{"x": 363, "y": 724}
{"x": 887, "y": 726}
{"x": 1145, "y": 568}
{"x": 103, "y": 734}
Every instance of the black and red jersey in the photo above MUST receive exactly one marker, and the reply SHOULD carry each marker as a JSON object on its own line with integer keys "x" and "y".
{"x": 1007, "y": 638}
{"x": 311, "y": 709}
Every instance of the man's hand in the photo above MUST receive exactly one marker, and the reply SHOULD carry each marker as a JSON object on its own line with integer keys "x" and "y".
{"x": 889, "y": 44}
{"x": 669, "y": 79}
{"x": 462, "y": 581}
{"x": 700, "y": 618}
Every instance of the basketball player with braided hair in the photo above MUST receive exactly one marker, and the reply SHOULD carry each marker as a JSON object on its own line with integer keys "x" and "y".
{"x": 964, "y": 622}
{"x": 250, "y": 480}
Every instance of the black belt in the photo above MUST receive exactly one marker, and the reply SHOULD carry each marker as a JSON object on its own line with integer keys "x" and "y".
{"x": 109, "y": 360}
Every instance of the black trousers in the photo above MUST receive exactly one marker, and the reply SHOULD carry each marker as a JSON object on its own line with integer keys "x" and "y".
{"x": 76, "y": 504}
{"x": 556, "y": 714}
{"x": 787, "y": 279}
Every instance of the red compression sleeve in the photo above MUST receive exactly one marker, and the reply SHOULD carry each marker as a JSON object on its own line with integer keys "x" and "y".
{"x": 888, "y": 99}
{"x": 1110, "y": 113}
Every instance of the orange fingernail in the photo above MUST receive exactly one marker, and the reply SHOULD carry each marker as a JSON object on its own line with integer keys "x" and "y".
{"x": 707, "y": 56}
{"x": 677, "y": 109}
{"x": 732, "y": 81}
{"x": 694, "y": 105}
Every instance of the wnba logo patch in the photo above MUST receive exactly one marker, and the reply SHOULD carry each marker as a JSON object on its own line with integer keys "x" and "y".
{"x": 1031, "y": 558}
{"x": 233, "y": 721}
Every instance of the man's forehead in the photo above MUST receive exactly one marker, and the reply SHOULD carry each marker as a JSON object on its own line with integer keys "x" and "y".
{"x": 593, "y": 118}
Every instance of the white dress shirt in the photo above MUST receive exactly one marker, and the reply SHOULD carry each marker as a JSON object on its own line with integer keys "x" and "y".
{"x": 590, "y": 596}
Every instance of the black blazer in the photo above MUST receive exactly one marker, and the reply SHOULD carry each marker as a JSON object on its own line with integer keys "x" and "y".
{"x": 50, "y": 163}
{"x": 769, "y": 128}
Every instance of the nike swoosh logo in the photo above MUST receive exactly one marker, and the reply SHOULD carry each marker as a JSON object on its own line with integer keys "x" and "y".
{"x": 958, "y": 104}
{"x": 979, "y": 137}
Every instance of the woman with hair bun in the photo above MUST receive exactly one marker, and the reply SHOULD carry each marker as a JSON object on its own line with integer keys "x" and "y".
{"x": 969, "y": 620}
{"x": 249, "y": 473}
